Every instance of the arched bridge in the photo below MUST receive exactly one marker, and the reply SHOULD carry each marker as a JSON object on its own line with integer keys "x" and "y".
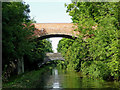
{"x": 47, "y": 30}
{"x": 51, "y": 57}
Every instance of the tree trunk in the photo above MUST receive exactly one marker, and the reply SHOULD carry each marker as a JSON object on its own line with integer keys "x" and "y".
{"x": 20, "y": 66}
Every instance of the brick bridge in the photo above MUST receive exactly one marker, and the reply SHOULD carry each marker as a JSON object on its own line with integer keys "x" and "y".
{"x": 47, "y": 30}
{"x": 51, "y": 57}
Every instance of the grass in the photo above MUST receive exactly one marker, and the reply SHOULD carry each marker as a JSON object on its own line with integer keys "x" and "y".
{"x": 26, "y": 80}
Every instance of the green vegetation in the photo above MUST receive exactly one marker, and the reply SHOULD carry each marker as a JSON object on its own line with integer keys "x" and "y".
{"x": 27, "y": 80}
{"x": 37, "y": 54}
{"x": 17, "y": 29}
{"x": 14, "y": 33}
{"x": 96, "y": 52}
{"x": 64, "y": 45}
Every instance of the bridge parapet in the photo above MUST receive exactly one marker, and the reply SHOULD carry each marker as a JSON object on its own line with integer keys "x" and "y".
{"x": 47, "y": 30}
{"x": 54, "y": 28}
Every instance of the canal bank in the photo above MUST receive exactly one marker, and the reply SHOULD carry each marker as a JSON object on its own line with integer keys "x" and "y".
{"x": 28, "y": 79}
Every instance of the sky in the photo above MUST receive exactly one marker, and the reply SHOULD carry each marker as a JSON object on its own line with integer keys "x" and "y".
{"x": 49, "y": 11}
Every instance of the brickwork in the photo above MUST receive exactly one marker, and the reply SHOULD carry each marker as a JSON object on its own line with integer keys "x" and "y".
{"x": 54, "y": 28}
{"x": 44, "y": 29}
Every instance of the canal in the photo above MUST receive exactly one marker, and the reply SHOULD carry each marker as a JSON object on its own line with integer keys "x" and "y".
{"x": 57, "y": 78}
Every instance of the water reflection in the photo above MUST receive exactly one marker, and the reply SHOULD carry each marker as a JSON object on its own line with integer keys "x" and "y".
{"x": 69, "y": 79}
{"x": 56, "y": 83}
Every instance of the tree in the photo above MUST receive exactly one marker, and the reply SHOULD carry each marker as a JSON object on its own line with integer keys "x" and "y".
{"x": 16, "y": 41}
{"x": 37, "y": 54}
{"x": 63, "y": 45}
{"x": 16, "y": 28}
{"x": 98, "y": 21}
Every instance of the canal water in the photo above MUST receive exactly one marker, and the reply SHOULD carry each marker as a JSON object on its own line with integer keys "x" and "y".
{"x": 69, "y": 79}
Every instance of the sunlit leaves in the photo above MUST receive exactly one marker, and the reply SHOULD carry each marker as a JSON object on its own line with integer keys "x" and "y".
{"x": 101, "y": 20}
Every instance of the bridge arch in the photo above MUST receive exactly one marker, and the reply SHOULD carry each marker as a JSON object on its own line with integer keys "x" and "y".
{"x": 48, "y": 30}
{"x": 55, "y": 35}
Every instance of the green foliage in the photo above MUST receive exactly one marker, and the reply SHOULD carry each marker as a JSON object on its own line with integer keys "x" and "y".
{"x": 64, "y": 44}
{"x": 74, "y": 54}
{"x": 27, "y": 80}
{"x": 14, "y": 32}
{"x": 98, "y": 56}
{"x": 96, "y": 69}
{"x": 38, "y": 52}
{"x": 17, "y": 30}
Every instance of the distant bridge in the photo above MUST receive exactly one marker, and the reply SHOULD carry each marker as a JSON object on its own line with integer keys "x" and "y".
{"x": 52, "y": 57}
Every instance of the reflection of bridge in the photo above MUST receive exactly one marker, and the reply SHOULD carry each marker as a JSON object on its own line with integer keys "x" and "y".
{"x": 52, "y": 57}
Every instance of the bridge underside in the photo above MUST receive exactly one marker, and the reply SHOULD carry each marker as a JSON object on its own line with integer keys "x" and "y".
{"x": 56, "y": 35}
{"x": 49, "y": 60}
